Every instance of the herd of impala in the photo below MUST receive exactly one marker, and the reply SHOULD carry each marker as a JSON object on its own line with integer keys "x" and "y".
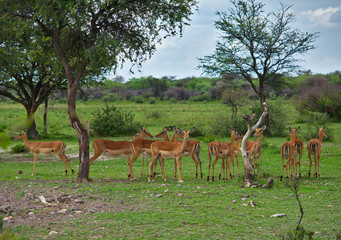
{"x": 174, "y": 148}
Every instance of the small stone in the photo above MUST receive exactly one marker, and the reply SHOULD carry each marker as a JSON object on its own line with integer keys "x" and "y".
{"x": 180, "y": 194}
{"x": 42, "y": 199}
{"x": 62, "y": 211}
{"x": 19, "y": 172}
{"x": 278, "y": 215}
{"x": 234, "y": 201}
{"x": 7, "y": 219}
{"x": 252, "y": 203}
{"x": 52, "y": 233}
{"x": 158, "y": 195}
{"x": 80, "y": 201}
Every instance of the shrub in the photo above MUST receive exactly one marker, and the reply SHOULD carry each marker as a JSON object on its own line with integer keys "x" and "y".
{"x": 111, "y": 97}
{"x": 323, "y": 98}
{"x": 154, "y": 114}
{"x": 221, "y": 124}
{"x": 19, "y": 148}
{"x": 137, "y": 99}
{"x": 111, "y": 121}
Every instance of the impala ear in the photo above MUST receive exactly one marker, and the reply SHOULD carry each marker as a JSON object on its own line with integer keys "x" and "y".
{"x": 192, "y": 129}
{"x": 264, "y": 127}
{"x": 290, "y": 129}
{"x": 324, "y": 127}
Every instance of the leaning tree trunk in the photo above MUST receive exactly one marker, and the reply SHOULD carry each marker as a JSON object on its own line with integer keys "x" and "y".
{"x": 83, "y": 136}
{"x": 250, "y": 130}
{"x": 267, "y": 117}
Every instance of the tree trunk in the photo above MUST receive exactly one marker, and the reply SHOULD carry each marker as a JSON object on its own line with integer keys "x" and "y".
{"x": 45, "y": 115}
{"x": 31, "y": 131}
{"x": 267, "y": 117}
{"x": 250, "y": 129}
{"x": 83, "y": 136}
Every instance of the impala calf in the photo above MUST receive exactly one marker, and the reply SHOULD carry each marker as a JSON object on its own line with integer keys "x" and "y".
{"x": 289, "y": 151}
{"x": 163, "y": 150}
{"x": 37, "y": 147}
{"x": 254, "y": 148}
{"x": 314, "y": 147}
{"x": 221, "y": 150}
{"x": 299, "y": 147}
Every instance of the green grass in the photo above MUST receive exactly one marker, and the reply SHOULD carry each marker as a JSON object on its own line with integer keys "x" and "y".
{"x": 195, "y": 209}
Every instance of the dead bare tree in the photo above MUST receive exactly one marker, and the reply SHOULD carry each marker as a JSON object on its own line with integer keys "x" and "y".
{"x": 245, "y": 154}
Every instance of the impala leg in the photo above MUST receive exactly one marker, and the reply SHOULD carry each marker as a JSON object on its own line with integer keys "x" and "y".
{"x": 318, "y": 164}
{"x": 162, "y": 163}
{"x": 315, "y": 169}
{"x": 199, "y": 161}
{"x": 196, "y": 165}
{"x": 96, "y": 155}
{"x": 282, "y": 167}
{"x": 135, "y": 156}
{"x": 237, "y": 159}
{"x": 213, "y": 166}
{"x": 175, "y": 168}
{"x": 209, "y": 165}
{"x": 178, "y": 163}
{"x": 34, "y": 163}
{"x": 222, "y": 169}
{"x": 142, "y": 165}
{"x": 309, "y": 155}
{"x": 231, "y": 161}
{"x": 59, "y": 154}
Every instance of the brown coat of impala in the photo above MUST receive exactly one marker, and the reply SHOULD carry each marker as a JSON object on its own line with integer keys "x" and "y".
{"x": 192, "y": 150}
{"x": 314, "y": 148}
{"x": 254, "y": 148}
{"x": 299, "y": 147}
{"x": 37, "y": 147}
{"x": 116, "y": 148}
{"x": 289, "y": 151}
{"x": 163, "y": 150}
{"x": 221, "y": 150}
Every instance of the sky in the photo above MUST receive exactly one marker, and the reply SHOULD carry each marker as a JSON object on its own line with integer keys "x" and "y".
{"x": 178, "y": 56}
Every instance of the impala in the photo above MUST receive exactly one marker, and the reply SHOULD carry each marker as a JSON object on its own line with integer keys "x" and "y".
{"x": 221, "y": 150}
{"x": 299, "y": 146}
{"x": 236, "y": 154}
{"x": 168, "y": 150}
{"x": 289, "y": 151}
{"x": 147, "y": 152}
{"x": 116, "y": 148}
{"x": 192, "y": 150}
{"x": 140, "y": 146}
{"x": 254, "y": 148}
{"x": 314, "y": 147}
{"x": 46, "y": 148}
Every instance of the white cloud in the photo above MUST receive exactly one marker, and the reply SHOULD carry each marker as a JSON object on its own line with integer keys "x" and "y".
{"x": 324, "y": 16}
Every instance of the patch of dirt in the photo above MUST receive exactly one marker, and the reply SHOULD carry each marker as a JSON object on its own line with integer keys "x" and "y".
{"x": 40, "y": 206}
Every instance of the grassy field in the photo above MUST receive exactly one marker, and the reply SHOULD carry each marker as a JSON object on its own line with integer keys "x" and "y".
{"x": 112, "y": 207}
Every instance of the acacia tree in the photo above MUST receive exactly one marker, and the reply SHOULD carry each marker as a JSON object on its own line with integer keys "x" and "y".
{"x": 255, "y": 44}
{"x": 100, "y": 35}
{"x": 29, "y": 71}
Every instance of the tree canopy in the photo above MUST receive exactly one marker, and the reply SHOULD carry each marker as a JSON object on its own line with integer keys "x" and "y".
{"x": 99, "y": 36}
{"x": 254, "y": 44}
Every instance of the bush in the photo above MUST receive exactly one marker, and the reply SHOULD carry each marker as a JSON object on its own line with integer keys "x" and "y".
{"x": 111, "y": 97}
{"x": 19, "y": 148}
{"x": 323, "y": 98}
{"x": 221, "y": 124}
{"x": 137, "y": 99}
{"x": 111, "y": 121}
